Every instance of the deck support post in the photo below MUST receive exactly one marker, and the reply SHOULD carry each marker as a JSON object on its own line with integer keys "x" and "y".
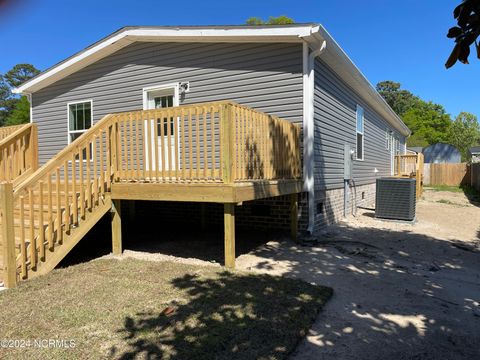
{"x": 294, "y": 216}
{"x": 229, "y": 223}
{"x": 116, "y": 228}
{"x": 8, "y": 236}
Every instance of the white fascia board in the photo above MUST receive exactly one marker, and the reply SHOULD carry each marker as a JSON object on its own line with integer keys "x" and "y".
{"x": 129, "y": 35}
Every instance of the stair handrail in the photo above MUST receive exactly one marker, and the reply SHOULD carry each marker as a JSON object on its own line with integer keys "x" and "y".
{"x": 61, "y": 156}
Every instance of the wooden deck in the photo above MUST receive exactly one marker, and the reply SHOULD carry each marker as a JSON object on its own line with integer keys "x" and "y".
{"x": 214, "y": 152}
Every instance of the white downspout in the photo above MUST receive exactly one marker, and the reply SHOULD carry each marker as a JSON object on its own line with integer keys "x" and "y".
{"x": 309, "y": 128}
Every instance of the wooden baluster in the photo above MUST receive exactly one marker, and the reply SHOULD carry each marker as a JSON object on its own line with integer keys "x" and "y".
{"x": 212, "y": 139}
{"x": 95, "y": 170}
{"x": 176, "y": 138}
{"x": 197, "y": 144}
{"x": 40, "y": 220}
{"x": 163, "y": 150}
{"x": 148, "y": 131}
{"x": 33, "y": 242}
{"x": 131, "y": 143}
{"x": 103, "y": 159}
{"x": 66, "y": 197}
{"x": 23, "y": 247}
{"x": 74, "y": 189}
{"x": 82, "y": 184}
{"x": 137, "y": 144}
{"x": 205, "y": 144}
{"x": 155, "y": 146}
{"x": 190, "y": 142}
{"x": 183, "y": 150}
{"x": 59, "y": 208}
{"x": 89, "y": 176}
{"x": 50, "y": 212}
{"x": 169, "y": 144}
{"x": 108, "y": 156}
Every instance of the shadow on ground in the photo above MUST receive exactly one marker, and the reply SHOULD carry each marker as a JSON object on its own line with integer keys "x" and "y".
{"x": 397, "y": 294}
{"x": 226, "y": 317}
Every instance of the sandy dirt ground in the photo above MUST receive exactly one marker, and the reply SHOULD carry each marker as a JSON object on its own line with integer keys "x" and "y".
{"x": 401, "y": 291}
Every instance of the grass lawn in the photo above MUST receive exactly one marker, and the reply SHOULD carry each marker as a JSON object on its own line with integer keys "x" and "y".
{"x": 124, "y": 309}
{"x": 466, "y": 189}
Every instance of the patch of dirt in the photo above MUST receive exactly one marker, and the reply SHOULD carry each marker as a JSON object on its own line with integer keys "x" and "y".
{"x": 401, "y": 291}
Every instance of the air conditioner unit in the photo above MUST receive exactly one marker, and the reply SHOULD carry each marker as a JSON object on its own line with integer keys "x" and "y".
{"x": 395, "y": 198}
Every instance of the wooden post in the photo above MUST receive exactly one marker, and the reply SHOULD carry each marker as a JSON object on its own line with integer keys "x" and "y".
{"x": 116, "y": 227}
{"x": 294, "y": 216}
{"x": 34, "y": 147}
{"x": 229, "y": 223}
{"x": 8, "y": 236}
{"x": 227, "y": 128}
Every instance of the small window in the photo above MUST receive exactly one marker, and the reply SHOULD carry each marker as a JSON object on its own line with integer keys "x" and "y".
{"x": 79, "y": 120}
{"x": 360, "y": 132}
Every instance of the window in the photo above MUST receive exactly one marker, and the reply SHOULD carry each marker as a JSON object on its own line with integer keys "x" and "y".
{"x": 360, "y": 132}
{"x": 79, "y": 120}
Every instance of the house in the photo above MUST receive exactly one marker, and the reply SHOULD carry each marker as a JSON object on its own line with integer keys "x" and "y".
{"x": 474, "y": 152}
{"x": 441, "y": 153}
{"x": 249, "y": 124}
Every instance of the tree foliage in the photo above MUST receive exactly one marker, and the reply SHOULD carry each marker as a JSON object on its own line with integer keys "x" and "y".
{"x": 13, "y": 109}
{"x": 464, "y": 133}
{"x": 466, "y": 33}
{"x": 20, "y": 73}
{"x": 429, "y": 122}
{"x": 20, "y": 114}
{"x": 272, "y": 20}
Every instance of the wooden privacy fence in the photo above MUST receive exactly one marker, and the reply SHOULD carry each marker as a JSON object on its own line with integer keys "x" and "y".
{"x": 214, "y": 142}
{"x": 411, "y": 165}
{"x": 18, "y": 152}
{"x": 448, "y": 174}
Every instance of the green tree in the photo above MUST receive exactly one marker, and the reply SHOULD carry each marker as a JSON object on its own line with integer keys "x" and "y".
{"x": 400, "y": 100}
{"x": 272, "y": 20}
{"x": 464, "y": 133}
{"x": 20, "y": 73}
{"x": 428, "y": 122}
{"x": 10, "y": 103}
{"x": 20, "y": 114}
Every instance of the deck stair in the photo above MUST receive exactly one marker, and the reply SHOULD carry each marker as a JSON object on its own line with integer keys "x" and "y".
{"x": 218, "y": 152}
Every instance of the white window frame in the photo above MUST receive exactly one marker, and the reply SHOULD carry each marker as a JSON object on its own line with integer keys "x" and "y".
{"x": 362, "y": 158}
{"x": 68, "y": 118}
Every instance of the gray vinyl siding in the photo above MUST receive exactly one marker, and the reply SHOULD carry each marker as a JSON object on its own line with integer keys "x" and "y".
{"x": 335, "y": 125}
{"x": 264, "y": 76}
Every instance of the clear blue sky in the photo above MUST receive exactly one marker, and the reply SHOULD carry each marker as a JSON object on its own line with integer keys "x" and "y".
{"x": 402, "y": 41}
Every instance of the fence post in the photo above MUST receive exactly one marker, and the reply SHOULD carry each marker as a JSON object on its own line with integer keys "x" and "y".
{"x": 227, "y": 127}
{"x": 8, "y": 236}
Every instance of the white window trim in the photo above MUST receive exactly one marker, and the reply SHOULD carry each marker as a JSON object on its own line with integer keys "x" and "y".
{"x": 69, "y": 141}
{"x": 362, "y": 133}
{"x": 174, "y": 86}
{"x": 68, "y": 118}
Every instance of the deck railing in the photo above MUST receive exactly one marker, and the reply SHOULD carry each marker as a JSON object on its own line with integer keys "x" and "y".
{"x": 411, "y": 165}
{"x": 18, "y": 152}
{"x": 214, "y": 142}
